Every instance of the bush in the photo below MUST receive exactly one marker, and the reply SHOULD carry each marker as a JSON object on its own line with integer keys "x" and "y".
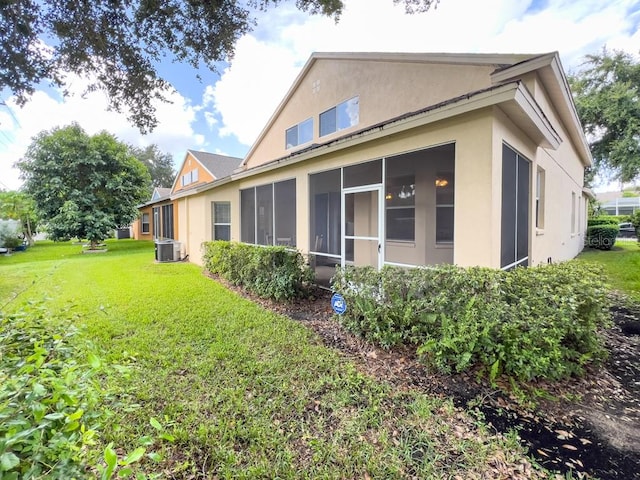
{"x": 604, "y": 220}
{"x": 602, "y": 236}
{"x": 271, "y": 272}
{"x": 49, "y": 399}
{"x": 527, "y": 323}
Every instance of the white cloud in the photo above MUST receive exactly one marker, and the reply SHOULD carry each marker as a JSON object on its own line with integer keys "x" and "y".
{"x": 174, "y": 133}
{"x": 267, "y": 61}
{"x": 250, "y": 90}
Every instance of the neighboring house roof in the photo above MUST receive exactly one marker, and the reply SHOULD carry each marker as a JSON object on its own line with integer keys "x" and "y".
{"x": 218, "y": 166}
{"x": 160, "y": 192}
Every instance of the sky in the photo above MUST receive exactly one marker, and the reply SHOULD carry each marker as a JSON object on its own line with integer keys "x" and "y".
{"x": 224, "y": 112}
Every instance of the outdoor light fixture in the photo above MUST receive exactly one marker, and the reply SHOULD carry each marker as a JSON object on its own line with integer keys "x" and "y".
{"x": 442, "y": 182}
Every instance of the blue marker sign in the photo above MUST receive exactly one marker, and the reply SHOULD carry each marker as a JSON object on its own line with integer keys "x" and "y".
{"x": 338, "y": 304}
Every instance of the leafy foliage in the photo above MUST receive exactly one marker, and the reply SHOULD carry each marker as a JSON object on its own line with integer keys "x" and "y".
{"x": 119, "y": 43}
{"x": 159, "y": 165}
{"x": 83, "y": 186}
{"x": 20, "y": 206}
{"x": 49, "y": 399}
{"x": 607, "y": 97}
{"x": 526, "y": 323}
{"x": 604, "y": 220}
{"x": 602, "y": 236}
{"x": 271, "y": 272}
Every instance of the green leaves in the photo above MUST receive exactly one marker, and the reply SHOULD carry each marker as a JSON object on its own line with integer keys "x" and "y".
{"x": 607, "y": 97}
{"x": 8, "y": 461}
{"x": 270, "y": 272}
{"x": 526, "y": 323}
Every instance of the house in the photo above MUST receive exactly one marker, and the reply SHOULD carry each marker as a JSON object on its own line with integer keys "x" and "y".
{"x": 158, "y": 218}
{"x": 408, "y": 159}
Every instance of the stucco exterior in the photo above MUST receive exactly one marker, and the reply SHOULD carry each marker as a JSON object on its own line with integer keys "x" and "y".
{"x": 448, "y": 129}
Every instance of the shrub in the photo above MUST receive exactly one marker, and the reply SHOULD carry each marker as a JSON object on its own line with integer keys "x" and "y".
{"x": 271, "y": 272}
{"x": 602, "y": 236}
{"x": 603, "y": 220}
{"x": 527, "y": 323}
{"x": 49, "y": 399}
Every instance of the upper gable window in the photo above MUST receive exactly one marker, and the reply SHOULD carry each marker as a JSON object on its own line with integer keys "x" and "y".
{"x": 343, "y": 115}
{"x": 189, "y": 178}
{"x": 299, "y": 134}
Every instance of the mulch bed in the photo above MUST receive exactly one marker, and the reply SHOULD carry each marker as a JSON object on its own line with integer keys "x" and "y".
{"x": 590, "y": 426}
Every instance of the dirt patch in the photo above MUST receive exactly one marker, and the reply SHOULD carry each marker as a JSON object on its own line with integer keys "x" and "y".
{"x": 589, "y": 426}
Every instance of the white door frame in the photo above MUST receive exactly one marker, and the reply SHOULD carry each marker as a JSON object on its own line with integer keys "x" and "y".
{"x": 379, "y": 238}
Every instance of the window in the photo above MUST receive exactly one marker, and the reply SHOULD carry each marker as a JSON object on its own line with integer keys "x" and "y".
{"x": 343, "y": 115}
{"x": 190, "y": 177}
{"x": 267, "y": 209}
{"x": 167, "y": 221}
{"x": 400, "y": 206}
{"x": 444, "y": 207}
{"x": 221, "y": 220}
{"x": 573, "y": 213}
{"x": 514, "y": 247}
{"x": 540, "y": 198}
{"x": 248, "y": 215}
{"x": 157, "y": 228}
{"x": 145, "y": 223}
{"x": 299, "y": 134}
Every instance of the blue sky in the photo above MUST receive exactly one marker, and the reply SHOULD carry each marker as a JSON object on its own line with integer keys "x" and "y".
{"x": 225, "y": 112}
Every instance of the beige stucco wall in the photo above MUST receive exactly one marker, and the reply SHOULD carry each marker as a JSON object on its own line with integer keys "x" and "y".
{"x": 473, "y": 237}
{"x": 385, "y": 90}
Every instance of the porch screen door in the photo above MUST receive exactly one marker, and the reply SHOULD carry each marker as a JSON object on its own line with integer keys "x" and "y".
{"x": 363, "y": 227}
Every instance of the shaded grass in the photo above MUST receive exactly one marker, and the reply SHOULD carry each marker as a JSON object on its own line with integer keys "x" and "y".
{"x": 621, "y": 265}
{"x": 246, "y": 393}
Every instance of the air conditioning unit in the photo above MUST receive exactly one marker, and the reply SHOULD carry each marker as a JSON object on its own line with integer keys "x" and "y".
{"x": 168, "y": 251}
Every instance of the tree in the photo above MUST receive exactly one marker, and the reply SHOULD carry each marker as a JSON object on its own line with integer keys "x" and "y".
{"x": 20, "y": 206}
{"x": 607, "y": 97}
{"x": 118, "y": 43}
{"x": 83, "y": 186}
{"x": 159, "y": 165}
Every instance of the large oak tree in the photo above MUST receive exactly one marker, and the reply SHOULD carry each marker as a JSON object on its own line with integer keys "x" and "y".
{"x": 118, "y": 43}
{"x": 83, "y": 186}
{"x": 607, "y": 97}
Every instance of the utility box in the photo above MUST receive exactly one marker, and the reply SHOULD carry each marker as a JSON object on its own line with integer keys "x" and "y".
{"x": 164, "y": 250}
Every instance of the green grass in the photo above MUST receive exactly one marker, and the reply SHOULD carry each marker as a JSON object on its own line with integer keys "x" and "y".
{"x": 621, "y": 265}
{"x": 244, "y": 392}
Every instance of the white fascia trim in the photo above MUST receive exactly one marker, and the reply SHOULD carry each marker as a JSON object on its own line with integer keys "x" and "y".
{"x": 529, "y": 106}
{"x": 552, "y": 60}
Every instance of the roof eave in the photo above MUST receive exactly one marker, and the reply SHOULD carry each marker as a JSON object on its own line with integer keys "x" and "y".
{"x": 551, "y": 63}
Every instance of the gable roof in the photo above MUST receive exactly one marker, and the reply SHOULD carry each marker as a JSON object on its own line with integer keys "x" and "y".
{"x": 160, "y": 192}
{"x": 219, "y": 166}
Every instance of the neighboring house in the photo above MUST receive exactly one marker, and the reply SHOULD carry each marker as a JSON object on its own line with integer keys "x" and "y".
{"x": 158, "y": 218}
{"x": 615, "y": 203}
{"x": 408, "y": 159}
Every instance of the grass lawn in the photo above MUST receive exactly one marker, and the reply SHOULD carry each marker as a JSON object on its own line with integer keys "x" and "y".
{"x": 621, "y": 265}
{"x": 245, "y": 393}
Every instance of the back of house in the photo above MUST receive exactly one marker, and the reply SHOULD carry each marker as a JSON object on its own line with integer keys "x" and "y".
{"x": 408, "y": 159}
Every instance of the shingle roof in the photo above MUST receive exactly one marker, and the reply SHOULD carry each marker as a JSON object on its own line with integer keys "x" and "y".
{"x": 160, "y": 192}
{"x": 219, "y": 166}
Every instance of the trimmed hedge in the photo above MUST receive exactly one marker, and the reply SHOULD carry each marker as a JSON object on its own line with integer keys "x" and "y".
{"x": 272, "y": 272}
{"x": 538, "y": 322}
{"x": 602, "y": 236}
{"x": 604, "y": 220}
